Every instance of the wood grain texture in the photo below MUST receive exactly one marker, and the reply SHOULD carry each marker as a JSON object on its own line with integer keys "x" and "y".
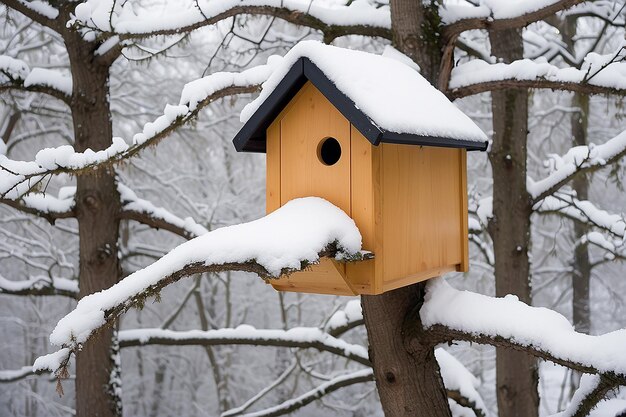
{"x": 272, "y": 168}
{"x": 464, "y": 265}
{"x": 305, "y": 122}
{"x": 420, "y": 212}
{"x": 409, "y": 202}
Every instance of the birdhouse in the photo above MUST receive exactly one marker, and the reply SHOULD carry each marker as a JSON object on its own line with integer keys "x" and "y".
{"x": 369, "y": 134}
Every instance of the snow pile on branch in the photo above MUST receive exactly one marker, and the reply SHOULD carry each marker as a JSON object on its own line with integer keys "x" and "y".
{"x": 393, "y": 95}
{"x": 14, "y": 175}
{"x": 69, "y": 286}
{"x": 578, "y": 157}
{"x": 121, "y": 19}
{"x": 131, "y": 202}
{"x": 534, "y": 327}
{"x": 16, "y": 70}
{"x": 457, "y": 378}
{"x": 494, "y": 9}
{"x": 283, "y": 240}
{"x": 598, "y": 70}
{"x": 584, "y": 211}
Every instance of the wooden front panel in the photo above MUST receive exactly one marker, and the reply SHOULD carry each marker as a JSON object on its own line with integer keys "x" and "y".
{"x": 310, "y": 119}
{"x": 272, "y": 168}
{"x": 295, "y": 170}
{"x": 421, "y": 213}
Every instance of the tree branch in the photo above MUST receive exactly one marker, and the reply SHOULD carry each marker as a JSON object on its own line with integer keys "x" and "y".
{"x": 592, "y": 389}
{"x": 298, "y": 13}
{"x": 19, "y": 76}
{"x": 27, "y": 204}
{"x": 452, "y": 315}
{"x": 577, "y": 161}
{"x": 119, "y": 151}
{"x": 299, "y": 337}
{"x": 143, "y": 211}
{"x": 45, "y": 15}
{"x": 322, "y": 390}
{"x": 16, "y": 375}
{"x": 39, "y": 286}
{"x": 490, "y": 22}
{"x": 460, "y": 92}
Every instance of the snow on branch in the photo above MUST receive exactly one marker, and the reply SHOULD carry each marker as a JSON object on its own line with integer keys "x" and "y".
{"x": 16, "y": 374}
{"x": 599, "y": 74}
{"x": 461, "y": 385}
{"x": 40, "y": 285}
{"x": 119, "y": 20}
{"x": 145, "y": 212}
{"x": 609, "y": 11}
{"x": 348, "y": 318}
{"x": 19, "y": 177}
{"x": 591, "y": 390}
{"x": 357, "y": 377}
{"x": 45, "y": 205}
{"x": 578, "y": 160}
{"x": 298, "y": 337}
{"x": 584, "y": 211}
{"x": 287, "y": 240}
{"x": 16, "y": 74}
{"x": 449, "y": 314}
{"x": 37, "y": 10}
{"x": 498, "y": 14}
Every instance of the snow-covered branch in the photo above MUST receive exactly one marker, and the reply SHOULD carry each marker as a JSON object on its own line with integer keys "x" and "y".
{"x": 15, "y": 74}
{"x": 40, "y": 285}
{"x": 449, "y": 314}
{"x": 578, "y": 160}
{"x": 16, "y": 375}
{"x": 498, "y": 15}
{"x": 287, "y": 240}
{"x": 298, "y": 337}
{"x": 17, "y": 177}
{"x": 599, "y": 74}
{"x": 357, "y": 377}
{"x": 348, "y": 318}
{"x": 359, "y": 18}
{"x": 39, "y": 11}
{"x": 45, "y": 205}
{"x": 584, "y": 211}
{"x": 592, "y": 389}
{"x": 145, "y": 212}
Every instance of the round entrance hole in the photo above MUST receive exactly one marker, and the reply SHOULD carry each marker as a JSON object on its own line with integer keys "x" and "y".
{"x": 329, "y": 151}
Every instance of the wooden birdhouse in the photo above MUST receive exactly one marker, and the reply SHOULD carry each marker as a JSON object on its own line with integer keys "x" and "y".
{"x": 370, "y": 135}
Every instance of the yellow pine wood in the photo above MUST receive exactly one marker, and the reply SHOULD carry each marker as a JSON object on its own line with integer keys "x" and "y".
{"x": 409, "y": 202}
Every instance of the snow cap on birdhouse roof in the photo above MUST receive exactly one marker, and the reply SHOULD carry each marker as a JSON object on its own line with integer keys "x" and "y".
{"x": 384, "y": 98}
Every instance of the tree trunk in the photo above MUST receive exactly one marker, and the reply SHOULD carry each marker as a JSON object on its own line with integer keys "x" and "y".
{"x": 97, "y": 209}
{"x": 582, "y": 265}
{"x": 509, "y": 228}
{"x": 406, "y": 371}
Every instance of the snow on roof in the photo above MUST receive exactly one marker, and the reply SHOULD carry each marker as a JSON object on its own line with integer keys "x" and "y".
{"x": 395, "y": 97}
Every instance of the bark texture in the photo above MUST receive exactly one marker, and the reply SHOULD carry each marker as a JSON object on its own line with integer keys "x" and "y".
{"x": 581, "y": 275}
{"x": 509, "y": 228}
{"x": 406, "y": 371}
{"x": 97, "y": 211}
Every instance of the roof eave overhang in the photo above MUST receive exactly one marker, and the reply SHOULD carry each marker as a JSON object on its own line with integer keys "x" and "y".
{"x": 252, "y": 136}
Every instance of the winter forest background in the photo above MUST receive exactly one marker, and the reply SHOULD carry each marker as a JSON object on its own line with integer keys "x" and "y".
{"x": 195, "y": 173}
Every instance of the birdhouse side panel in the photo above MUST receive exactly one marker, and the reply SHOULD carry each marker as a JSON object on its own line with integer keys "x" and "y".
{"x": 421, "y": 212}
